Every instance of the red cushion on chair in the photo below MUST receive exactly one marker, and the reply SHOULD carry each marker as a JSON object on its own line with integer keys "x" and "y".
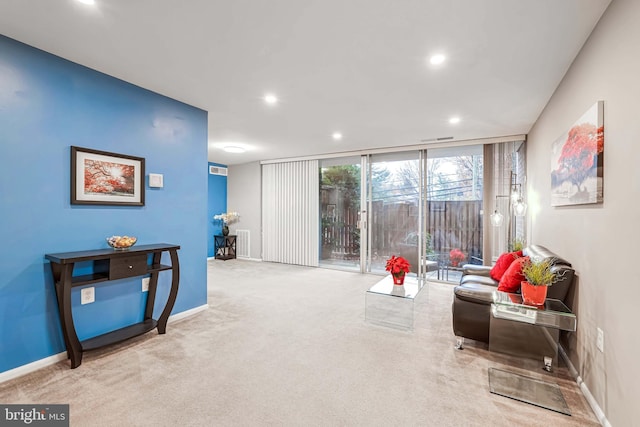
{"x": 512, "y": 278}
{"x": 503, "y": 262}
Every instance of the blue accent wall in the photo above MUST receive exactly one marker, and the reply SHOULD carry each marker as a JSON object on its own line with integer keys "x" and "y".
{"x": 48, "y": 104}
{"x": 217, "y": 203}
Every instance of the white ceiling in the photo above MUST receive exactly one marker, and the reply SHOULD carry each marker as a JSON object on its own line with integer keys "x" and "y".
{"x": 357, "y": 66}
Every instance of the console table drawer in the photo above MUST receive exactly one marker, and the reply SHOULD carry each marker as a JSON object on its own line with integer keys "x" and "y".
{"x": 127, "y": 266}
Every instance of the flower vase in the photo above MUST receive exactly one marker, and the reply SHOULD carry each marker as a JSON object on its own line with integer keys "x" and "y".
{"x": 398, "y": 279}
{"x": 532, "y": 294}
{"x": 225, "y": 230}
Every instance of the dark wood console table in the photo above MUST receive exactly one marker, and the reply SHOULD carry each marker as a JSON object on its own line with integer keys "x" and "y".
{"x": 225, "y": 247}
{"x": 109, "y": 264}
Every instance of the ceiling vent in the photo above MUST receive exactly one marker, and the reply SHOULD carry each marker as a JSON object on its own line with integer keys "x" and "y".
{"x": 217, "y": 170}
{"x": 443, "y": 138}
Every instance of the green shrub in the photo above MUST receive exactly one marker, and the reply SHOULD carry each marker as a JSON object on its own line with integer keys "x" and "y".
{"x": 538, "y": 273}
{"x": 516, "y": 244}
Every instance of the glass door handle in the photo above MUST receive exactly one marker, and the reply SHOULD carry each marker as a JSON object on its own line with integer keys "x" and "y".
{"x": 362, "y": 223}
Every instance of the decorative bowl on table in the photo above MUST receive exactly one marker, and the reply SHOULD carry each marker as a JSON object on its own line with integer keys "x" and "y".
{"x": 121, "y": 243}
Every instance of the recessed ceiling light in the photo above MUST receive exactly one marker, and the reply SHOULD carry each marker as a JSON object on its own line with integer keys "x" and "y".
{"x": 270, "y": 99}
{"x": 454, "y": 120}
{"x": 91, "y": 2}
{"x": 233, "y": 149}
{"x": 337, "y": 136}
{"x": 437, "y": 59}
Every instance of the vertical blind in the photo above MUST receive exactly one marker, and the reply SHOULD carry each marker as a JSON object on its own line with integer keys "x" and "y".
{"x": 290, "y": 198}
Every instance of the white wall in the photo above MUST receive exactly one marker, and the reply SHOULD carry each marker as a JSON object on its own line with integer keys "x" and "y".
{"x": 599, "y": 240}
{"x": 244, "y": 196}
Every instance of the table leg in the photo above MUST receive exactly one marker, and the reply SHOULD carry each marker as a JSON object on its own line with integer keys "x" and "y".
{"x": 63, "y": 293}
{"x": 173, "y": 293}
{"x": 153, "y": 287}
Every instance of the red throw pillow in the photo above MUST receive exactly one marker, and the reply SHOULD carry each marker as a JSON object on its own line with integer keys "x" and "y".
{"x": 503, "y": 262}
{"x": 512, "y": 278}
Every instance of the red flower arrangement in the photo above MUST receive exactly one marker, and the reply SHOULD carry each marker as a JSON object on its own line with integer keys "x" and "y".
{"x": 398, "y": 267}
{"x": 456, "y": 256}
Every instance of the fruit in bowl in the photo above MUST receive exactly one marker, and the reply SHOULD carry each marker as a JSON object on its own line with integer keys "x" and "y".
{"x": 121, "y": 242}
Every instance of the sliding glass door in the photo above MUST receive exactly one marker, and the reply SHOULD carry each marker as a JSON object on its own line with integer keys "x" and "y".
{"x": 454, "y": 208}
{"x": 393, "y": 206}
{"x": 340, "y": 191}
{"x": 425, "y": 206}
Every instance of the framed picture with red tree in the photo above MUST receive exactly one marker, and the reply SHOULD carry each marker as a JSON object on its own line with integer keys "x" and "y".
{"x": 104, "y": 178}
{"x": 577, "y": 161}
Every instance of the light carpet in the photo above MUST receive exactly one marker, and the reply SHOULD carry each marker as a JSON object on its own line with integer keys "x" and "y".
{"x": 285, "y": 345}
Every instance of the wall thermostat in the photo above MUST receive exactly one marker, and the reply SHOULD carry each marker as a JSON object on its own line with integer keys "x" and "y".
{"x": 156, "y": 180}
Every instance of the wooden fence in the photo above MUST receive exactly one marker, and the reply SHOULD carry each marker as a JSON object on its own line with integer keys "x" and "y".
{"x": 340, "y": 235}
{"x": 450, "y": 224}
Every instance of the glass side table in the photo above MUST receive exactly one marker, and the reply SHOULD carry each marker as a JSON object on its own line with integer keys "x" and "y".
{"x": 527, "y": 331}
{"x": 392, "y": 305}
{"x": 554, "y": 313}
{"x": 530, "y": 334}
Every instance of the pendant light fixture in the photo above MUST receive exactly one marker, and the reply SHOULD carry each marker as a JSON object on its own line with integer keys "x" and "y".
{"x": 519, "y": 206}
{"x": 496, "y": 218}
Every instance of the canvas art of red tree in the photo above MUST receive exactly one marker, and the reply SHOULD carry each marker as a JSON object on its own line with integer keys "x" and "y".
{"x": 579, "y": 155}
{"x": 108, "y": 178}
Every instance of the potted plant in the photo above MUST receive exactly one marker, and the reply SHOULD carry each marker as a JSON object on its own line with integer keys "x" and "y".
{"x": 398, "y": 267}
{"x": 539, "y": 276}
{"x": 456, "y": 256}
{"x": 226, "y": 218}
{"x": 517, "y": 244}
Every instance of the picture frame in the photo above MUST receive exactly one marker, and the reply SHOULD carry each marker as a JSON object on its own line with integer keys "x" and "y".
{"x": 577, "y": 161}
{"x": 104, "y": 178}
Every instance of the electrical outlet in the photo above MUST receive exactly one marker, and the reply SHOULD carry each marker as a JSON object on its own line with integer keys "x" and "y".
{"x": 145, "y": 284}
{"x": 87, "y": 295}
{"x": 600, "y": 340}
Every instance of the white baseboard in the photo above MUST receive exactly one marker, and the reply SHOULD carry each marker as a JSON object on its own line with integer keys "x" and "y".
{"x": 240, "y": 257}
{"x": 585, "y": 390}
{"x": 32, "y": 367}
{"x": 52, "y": 360}
{"x": 250, "y": 259}
{"x": 187, "y": 313}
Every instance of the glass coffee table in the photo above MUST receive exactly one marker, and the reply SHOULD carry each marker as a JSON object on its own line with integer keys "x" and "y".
{"x": 392, "y": 305}
{"x": 531, "y": 335}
